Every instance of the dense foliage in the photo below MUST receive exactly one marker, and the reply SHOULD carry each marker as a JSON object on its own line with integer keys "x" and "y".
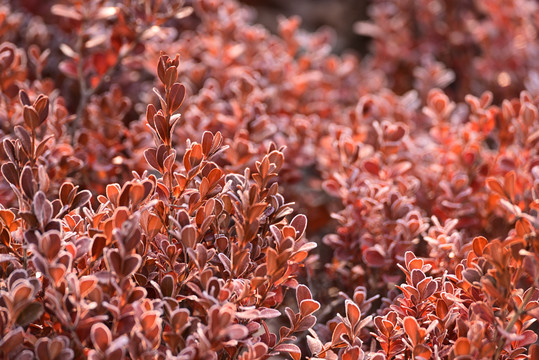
{"x": 298, "y": 203}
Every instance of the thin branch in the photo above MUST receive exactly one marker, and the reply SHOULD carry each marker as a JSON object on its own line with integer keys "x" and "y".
{"x": 514, "y": 319}
{"x": 87, "y": 92}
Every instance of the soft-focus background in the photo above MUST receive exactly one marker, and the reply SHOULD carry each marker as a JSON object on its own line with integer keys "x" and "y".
{"x": 339, "y": 15}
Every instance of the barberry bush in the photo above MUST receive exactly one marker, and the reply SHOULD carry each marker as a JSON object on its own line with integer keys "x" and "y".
{"x": 180, "y": 183}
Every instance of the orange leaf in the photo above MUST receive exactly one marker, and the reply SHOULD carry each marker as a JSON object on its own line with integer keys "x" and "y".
{"x": 509, "y": 187}
{"x": 308, "y": 306}
{"x": 422, "y": 351}
{"x": 352, "y": 313}
{"x": 462, "y": 346}
{"x": 495, "y": 186}
{"x": 412, "y": 329}
{"x": 479, "y": 244}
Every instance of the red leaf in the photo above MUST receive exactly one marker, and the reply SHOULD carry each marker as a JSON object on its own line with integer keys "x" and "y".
{"x": 27, "y": 182}
{"x": 415, "y": 264}
{"x": 306, "y": 323}
{"x": 87, "y": 284}
{"x": 149, "y": 319}
{"x": 171, "y": 75}
{"x": 339, "y": 330}
{"x": 175, "y": 97}
{"x": 26, "y": 140}
{"x": 373, "y": 258}
{"x": 352, "y": 313}
{"x": 51, "y": 244}
{"x": 11, "y": 340}
{"x": 411, "y": 327}
{"x": 81, "y": 199}
{"x": 23, "y": 96}
{"x": 101, "y": 336}
{"x": 31, "y": 117}
{"x": 22, "y": 292}
{"x": 479, "y": 244}
{"x": 57, "y": 273}
{"x": 131, "y": 264}
{"x": 299, "y": 222}
{"x": 303, "y": 293}
{"x": 113, "y": 261}
{"x": 495, "y": 186}
{"x": 462, "y": 346}
{"x": 42, "y": 146}
{"x": 529, "y": 337}
{"x": 41, "y": 105}
{"x": 266, "y": 313}
{"x": 422, "y": 351}
{"x": 416, "y": 276}
{"x": 151, "y": 159}
{"x": 510, "y": 179}
{"x": 352, "y": 353}
{"x": 308, "y": 306}
{"x": 10, "y": 173}
{"x": 260, "y": 349}
{"x": 150, "y": 113}
{"x": 7, "y": 55}
{"x": 291, "y": 349}
{"x": 237, "y": 332}
{"x": 98, "y": 244}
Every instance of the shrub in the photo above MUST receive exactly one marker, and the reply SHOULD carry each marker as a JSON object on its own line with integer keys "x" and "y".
{"x": 139, "y": 222}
